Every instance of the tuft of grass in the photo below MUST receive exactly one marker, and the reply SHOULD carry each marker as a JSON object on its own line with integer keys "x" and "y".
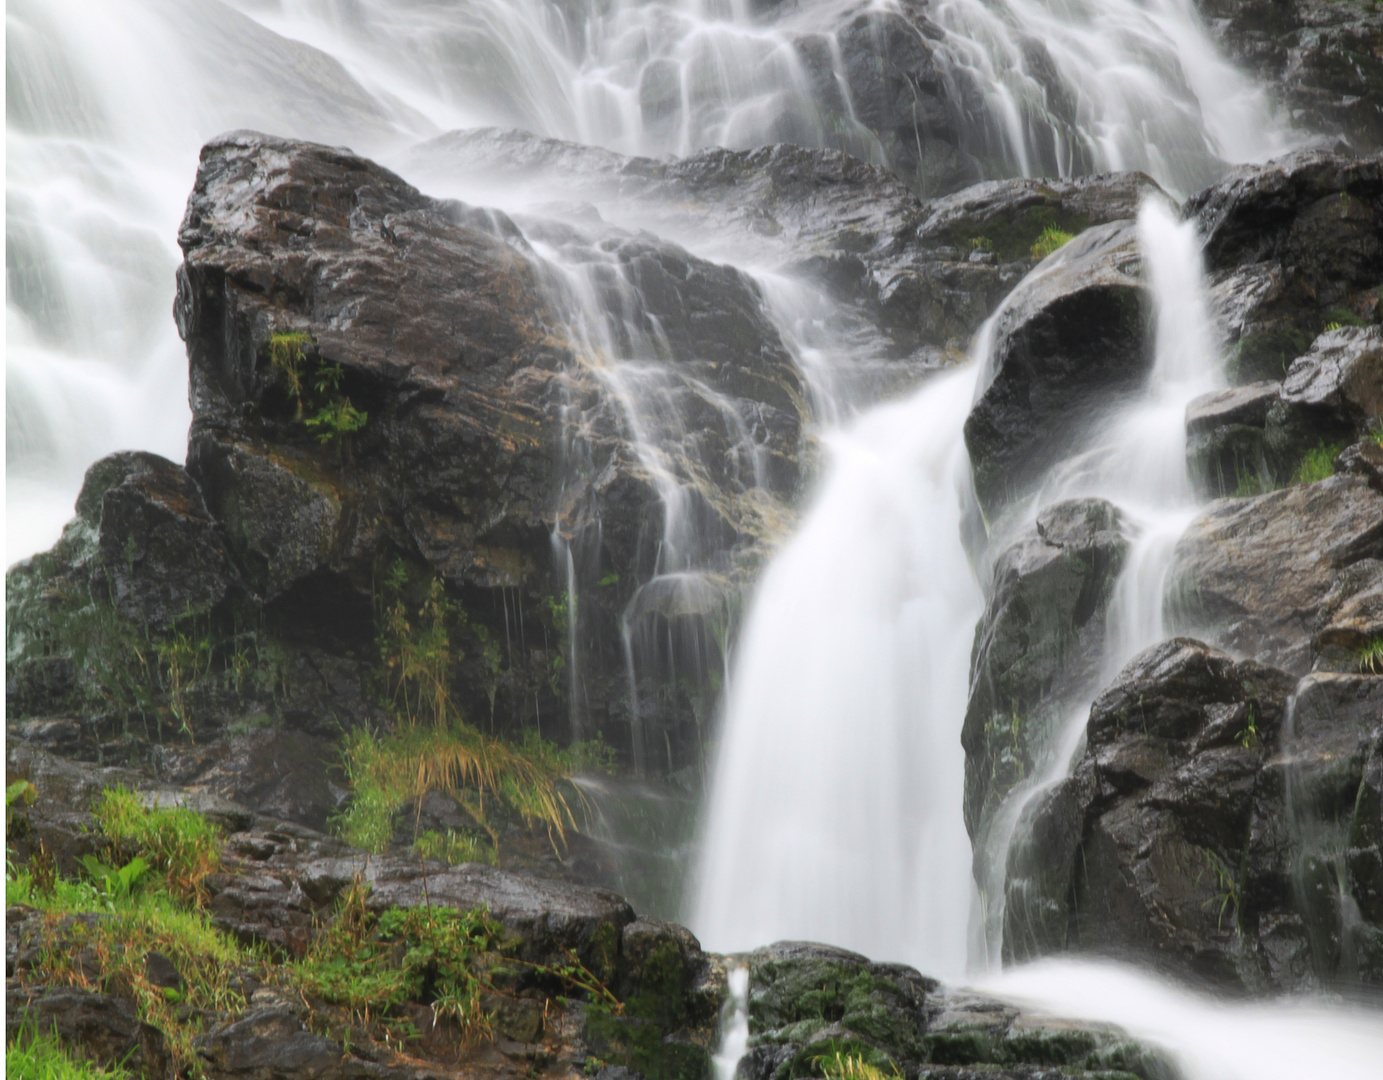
{"x": 32, "y": 1056}
{"x": 1050, "y": 239}
{"x": 180, "y": 844}
{"x": 1317, "y": 464}
{"x": 1370, "y": 656}
{"x": 388, "y": 771}
{"x": 840, "y": 1064}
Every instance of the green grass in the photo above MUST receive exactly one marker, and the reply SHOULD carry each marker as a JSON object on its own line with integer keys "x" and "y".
{"x": 1318, "y": 463}
{"x": 180, "y": 844}
{"x": 140, "y": 922}
{"x": 1370, "y": 657}
{"x": 42, "y": 1057}
{"x": 456, "y": 847}
{"x": 1050, "y": 239}
{"x": 318, "y": 401}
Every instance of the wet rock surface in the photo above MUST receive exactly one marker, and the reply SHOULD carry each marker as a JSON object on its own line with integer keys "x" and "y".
{"x": 1181, "y": 836}
{"x": 1038, "y": 646}
{"x": 1253, "y": 573}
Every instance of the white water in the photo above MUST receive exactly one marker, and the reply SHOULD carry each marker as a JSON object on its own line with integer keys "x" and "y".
{"x": 835, "y": 808}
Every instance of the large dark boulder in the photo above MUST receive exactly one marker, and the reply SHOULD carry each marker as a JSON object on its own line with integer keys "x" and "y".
{"x": 1038, "y": 646}
{"x": 94, "y": 1025}
{"x": 1252, "y": 574}
{"x": 1207, "y": 827}
{"x": 1067, "y": 344}
{"x": 1292, "y": 247}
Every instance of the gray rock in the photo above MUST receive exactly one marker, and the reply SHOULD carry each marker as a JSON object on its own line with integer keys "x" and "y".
{"x": 1343, "y": 373}
{"x": 1238, "y": 405}
{"x": 1252, "y": 573}
{"x": 98, "y": 1026}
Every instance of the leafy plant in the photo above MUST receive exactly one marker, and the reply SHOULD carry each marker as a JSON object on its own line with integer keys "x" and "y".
{"x": 319, "y": 402}
{"x": 981, "y": 243}
{"x": 1249, "y": 735}
{"x": 180, "y": 844}
{"x": 1049, "y": 241}
{"x": 118, "y": 884}
{"x": 1228, "y": 889}
{"x": 1318, "y": 463}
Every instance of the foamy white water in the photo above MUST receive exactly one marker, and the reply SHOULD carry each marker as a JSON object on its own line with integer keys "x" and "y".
{"x": 835, "y": 812}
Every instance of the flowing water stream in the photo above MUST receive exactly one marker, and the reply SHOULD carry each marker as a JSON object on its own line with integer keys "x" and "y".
{"x": 835, "y": 809}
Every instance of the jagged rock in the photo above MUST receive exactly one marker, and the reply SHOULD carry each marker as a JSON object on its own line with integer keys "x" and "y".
{"x": 1251, "y": 573}
{"x": 1066, "y": 343}
{"x": 1225, "y": 437}
{"x": 272, "y": 1044}
{"x": 94, "y": 1024}
{"x": 1292, "y": 247}
{"x": 1038, "y": 645}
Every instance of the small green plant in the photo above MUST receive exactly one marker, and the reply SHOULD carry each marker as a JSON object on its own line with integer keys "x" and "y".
{"x": 1049, "y": 241}
{"x": 841, "y": 1062}
{"x": 180, "y": 844}
{"x": 32, "y": 1056}
{"x": 319, "y": 403}
{"x": 1227, "y": 889}
{"x": 1331, "y": 326}
{"x": 1248, "y": 736}
{"x": 981, "y": 243}
{"x": 1318, "y": 463}
{"x": 609, "y": 579}
{"x": 184, "y": 657}
{"x": 1370, "y": 656}
{"x": 1252, "y": 484}
{"x": 1376, "y": 433}
{"x": 116, "y": 883}
{"x": 19, "y": 794}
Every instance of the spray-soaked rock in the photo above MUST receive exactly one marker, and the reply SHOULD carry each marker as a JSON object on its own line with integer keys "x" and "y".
{"x": 1038, "y": 646}
{"x": 1292, "y": 248}
{"x": 1252, "y": 573}
{"x": 1067, "y": 343}
{"x": 1206, "y": 829}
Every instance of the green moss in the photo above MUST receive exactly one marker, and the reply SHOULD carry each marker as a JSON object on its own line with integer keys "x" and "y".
{"x": 1337, "y": 318}
{"x": 644, "y": 1046}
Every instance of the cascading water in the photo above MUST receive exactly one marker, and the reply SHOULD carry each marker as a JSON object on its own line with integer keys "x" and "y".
{"x": 108, "y": 109}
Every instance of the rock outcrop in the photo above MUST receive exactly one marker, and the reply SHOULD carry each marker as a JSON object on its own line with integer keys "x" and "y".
{"x": 1207, "y": 826}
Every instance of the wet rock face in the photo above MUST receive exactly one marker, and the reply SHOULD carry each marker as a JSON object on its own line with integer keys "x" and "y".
{"x": 1067, "y": 343}
{"x": 1321, "y": 56}
{"x": 1292, "y": 248}
{"x": 1254, "y": 573}
{"x": 1198, "y": 826}
{"x": 1038, "y": 646}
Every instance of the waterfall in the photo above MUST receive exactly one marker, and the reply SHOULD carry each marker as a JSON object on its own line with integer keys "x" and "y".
{"x": 110, "y": 106}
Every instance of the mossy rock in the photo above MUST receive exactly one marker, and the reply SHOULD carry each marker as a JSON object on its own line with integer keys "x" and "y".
{"x": 644, "y": 1046}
